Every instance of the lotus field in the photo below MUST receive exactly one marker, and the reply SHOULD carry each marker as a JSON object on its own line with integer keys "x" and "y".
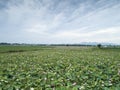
{"x": 59, "y": 68}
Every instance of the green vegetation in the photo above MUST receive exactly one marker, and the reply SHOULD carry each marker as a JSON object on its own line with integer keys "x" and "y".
{"x": 59, "y": 68}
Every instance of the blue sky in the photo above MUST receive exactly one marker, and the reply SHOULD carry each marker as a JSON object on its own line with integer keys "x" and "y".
{"x": 59, "y": 21}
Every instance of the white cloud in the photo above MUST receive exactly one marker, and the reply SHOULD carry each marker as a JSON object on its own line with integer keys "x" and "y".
{"x": 61, "y": 22}
{"x": 104, "y": 35}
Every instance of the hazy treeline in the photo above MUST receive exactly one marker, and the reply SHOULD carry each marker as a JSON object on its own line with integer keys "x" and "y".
{"x": 102, "y": 45}
{"x": 3, "y": 43}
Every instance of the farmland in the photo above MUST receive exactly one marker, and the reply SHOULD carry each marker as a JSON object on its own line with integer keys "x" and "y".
{"x": 59, "y": 68}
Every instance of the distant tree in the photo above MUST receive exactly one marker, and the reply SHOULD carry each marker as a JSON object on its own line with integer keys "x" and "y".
{"x": 67, "y": 44}
{"x": 99, "y": 45}
{"x": 3, "y": 43}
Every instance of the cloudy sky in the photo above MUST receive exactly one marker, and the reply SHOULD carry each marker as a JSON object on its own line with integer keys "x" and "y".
{"x": 59, "y": 21}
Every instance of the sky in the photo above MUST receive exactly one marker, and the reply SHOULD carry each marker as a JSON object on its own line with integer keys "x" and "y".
{"x": 59, "y": 21}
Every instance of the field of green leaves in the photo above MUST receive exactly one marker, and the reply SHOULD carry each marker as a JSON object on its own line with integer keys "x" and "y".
{"x": 59, "y": 68}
